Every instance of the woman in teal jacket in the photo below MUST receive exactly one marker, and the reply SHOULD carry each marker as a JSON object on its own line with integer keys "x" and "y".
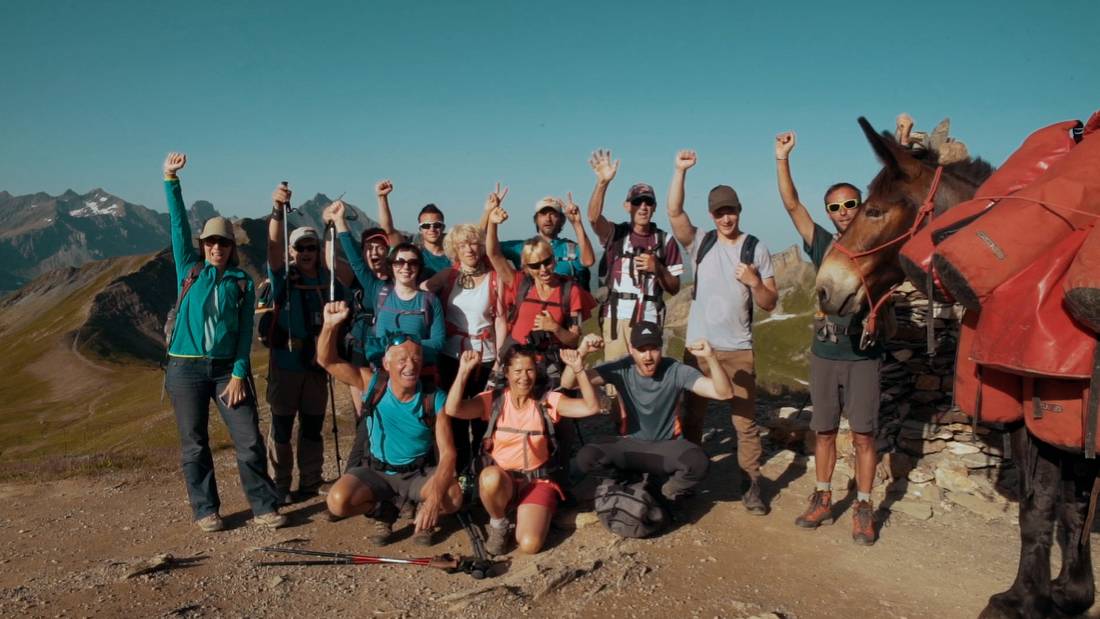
{"x": 208, "y": 358}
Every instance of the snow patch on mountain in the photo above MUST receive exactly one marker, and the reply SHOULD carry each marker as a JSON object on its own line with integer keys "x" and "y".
{"x": 92, "y": 209}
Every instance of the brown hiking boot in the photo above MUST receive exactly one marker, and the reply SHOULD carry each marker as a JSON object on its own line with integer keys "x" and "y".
{"x": 753, "y": 502}
{"x": 496, "y": 542}
{"x": 381, "y": 524}
{"x": 819, "y": 512}
{"x": 863, "y": 523}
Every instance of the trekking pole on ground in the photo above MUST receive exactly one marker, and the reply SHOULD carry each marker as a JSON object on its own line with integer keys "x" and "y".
{"x": 287, "y": 210}
{"x": 443, "y": 562}
{"x": 479, "y": 566}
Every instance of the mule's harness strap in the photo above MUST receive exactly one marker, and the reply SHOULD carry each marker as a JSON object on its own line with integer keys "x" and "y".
{"x": 926, "y": 211}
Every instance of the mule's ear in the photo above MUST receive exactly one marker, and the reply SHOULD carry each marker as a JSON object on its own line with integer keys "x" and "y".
{"x": 894, "y": 157}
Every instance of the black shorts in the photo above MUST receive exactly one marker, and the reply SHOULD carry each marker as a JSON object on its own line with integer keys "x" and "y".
{"x": 848, "y": 386}
{"x": 387, "y": 487}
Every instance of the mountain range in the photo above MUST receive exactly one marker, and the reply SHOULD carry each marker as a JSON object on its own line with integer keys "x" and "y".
{"x": 42, "y": 232}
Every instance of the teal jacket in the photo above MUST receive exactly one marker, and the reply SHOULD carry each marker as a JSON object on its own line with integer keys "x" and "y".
{"x": 232, "y": 333}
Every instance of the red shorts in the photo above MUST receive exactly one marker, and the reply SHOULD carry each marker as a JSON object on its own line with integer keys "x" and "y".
{"x": 538, "y": 492}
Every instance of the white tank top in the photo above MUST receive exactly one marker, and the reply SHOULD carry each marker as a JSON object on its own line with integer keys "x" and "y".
{"x": 470, "y": 311}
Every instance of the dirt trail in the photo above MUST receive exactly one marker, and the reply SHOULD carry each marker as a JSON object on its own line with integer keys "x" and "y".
{"x": 66, "y": 547}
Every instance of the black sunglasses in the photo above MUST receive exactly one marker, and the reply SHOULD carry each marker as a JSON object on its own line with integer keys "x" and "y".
{"x": 432, "y": 225}
{"x": 535, "y": 266}
{"x": 645, "y": 201}
{"x": 412, "y": 262}
{"x": 833, "y": 207}
{"x": 217, "y": 240}
{"x": 304, "y": 248}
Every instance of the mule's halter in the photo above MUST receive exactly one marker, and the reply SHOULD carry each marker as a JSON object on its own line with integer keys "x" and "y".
{"x": 925, "y": 212}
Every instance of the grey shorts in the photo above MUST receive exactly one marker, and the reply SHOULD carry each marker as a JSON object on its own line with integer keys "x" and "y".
{"x": 848, "y": 386}
{"x": 290, "y": 392}
{"x": 396, "y": 487}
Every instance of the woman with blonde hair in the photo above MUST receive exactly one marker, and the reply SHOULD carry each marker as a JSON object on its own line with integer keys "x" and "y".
{"x": 470, "y": 293}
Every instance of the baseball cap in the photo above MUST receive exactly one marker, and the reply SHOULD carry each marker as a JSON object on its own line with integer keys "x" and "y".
{"x": 722, "y": 196}
{"x": 549, "y": 202}
{"x": 304, "y": 232}
{"x": 217, "y": 226}
{"x": 641, "y": 190}
{"x": 645, "y": 334}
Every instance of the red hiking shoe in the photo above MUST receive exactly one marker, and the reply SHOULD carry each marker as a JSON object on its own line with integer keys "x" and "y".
{"x": 863, "y": 523}
{"x": 819, "y": 512}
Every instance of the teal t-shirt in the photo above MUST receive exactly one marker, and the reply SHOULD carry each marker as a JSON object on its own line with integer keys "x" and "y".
{"x": 398, "y": 434}
{"x": 567, "y": 256}
{"x": 846, "y": 348}
{"x": 432, "y": 263}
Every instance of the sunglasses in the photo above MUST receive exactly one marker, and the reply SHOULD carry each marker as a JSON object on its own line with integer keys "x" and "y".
{"x": 535, "y": 266}
{"x": 409, "y": 262}
{"x": 833, "y": 207}
{"x": 726, "y": 210}
{"x": 305, "y": 248}
{"x": 643, "y": 201}
{"x": 399, "y": 338}
{"x": 432, "y": 225}
{"x": 217, "y": 240}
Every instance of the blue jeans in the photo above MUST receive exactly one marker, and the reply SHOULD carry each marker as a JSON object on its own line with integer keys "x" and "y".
{"x": 192, "y": 383}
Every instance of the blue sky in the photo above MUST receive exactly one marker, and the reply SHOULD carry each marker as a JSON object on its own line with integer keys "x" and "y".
{"x": 448, "y": 98}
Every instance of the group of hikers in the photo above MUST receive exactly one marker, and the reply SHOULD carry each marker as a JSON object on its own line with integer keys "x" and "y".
{"x": 467, "y": 358}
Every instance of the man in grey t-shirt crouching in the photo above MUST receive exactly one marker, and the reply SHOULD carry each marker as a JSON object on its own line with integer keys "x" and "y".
{"x": 651, "y": 388}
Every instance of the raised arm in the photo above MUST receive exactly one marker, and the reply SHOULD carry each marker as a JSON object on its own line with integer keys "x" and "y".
{"x": 605, "y": 170}
{"x": 367, "y": 279}
{"x": 280, "y": 199}
{"x": 456, "y": 406}
{"x": 800, "y": 216}
{"x": 586, "y": 405}
{"x": 497, "y": 215}
{"x": 589, "y": 344}
{"x": 682, "y": 228}
{"x": 382, "y": 189}
{"x": 718, "y": 385}
{"x": 335, "y": 314}
{"x": 573, "y": 214}
{"x": 183, "y": 252}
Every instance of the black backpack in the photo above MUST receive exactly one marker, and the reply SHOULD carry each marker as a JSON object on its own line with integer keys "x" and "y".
{"x": 629, "y": 509}
{"x": 748, "y": 253}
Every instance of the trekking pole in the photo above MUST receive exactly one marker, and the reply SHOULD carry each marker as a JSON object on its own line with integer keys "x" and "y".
{"x": 287, "y": 210}
{"x": 331, "y": 253}
{"x": 479, "y": 566}
{"x": 444, "y": 562}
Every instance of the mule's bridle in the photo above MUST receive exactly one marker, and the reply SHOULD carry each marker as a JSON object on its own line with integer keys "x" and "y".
{"x": 926, "y": 211}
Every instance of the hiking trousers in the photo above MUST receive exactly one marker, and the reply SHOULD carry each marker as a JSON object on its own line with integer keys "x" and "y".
{"x": 192, "y": 383}
{"x": 740, "y": 367}
{"x": 303, "y": 395}
{"x": 684, "y": 462}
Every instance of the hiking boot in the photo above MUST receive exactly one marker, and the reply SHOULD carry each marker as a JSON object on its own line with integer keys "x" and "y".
{"x": 424, "y": 538}
{"x": 863, "y": 523}
{"x": 497, "y": 540}
{"x": 752, "y": 500}
{"x": 283, "y": 497}
{"x": 819, "y": 512}
{"x": 271, "y": 520}
{"x": 211, "y": 523}
{"x": 381, "y": 524}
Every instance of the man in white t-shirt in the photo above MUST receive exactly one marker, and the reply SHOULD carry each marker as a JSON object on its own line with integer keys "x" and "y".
{"x": 732, "y": 271}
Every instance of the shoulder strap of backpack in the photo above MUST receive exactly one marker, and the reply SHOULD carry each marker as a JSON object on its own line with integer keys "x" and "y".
{"x": 494, "y": 415}
{"x": 614, "y": 248}
{"x": 426, "y": 307}
{"x": 547, "y": 423}
{"x": 707, "y": 244}
{"x": 427, "y": 406}
{"x": 748, "y": 249}
{"x": 524, "y": 289}
{"x": 377, "y": 392}
{"x": 563, "y": 300}
{"x": 449, "y": 285}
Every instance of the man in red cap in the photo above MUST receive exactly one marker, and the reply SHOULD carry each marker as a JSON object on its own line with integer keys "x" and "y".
{"x": 640, "y": 264}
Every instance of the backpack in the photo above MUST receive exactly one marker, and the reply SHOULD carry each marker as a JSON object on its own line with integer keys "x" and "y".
{"x": 427, "y": 417}
{"x": 748, "y": 253}
{"x": 543, "y": 472}
{"x": 619, "y": 237}
{"x": 268, "y": 330}
{"x": 629, "y": 509}
{"x": 425, "y": 308}
{"x": 192, "y": 276}
{"x": 579, "y": 272}
{"x": 524, "y": 291}
{"x": 362, "y": 319}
